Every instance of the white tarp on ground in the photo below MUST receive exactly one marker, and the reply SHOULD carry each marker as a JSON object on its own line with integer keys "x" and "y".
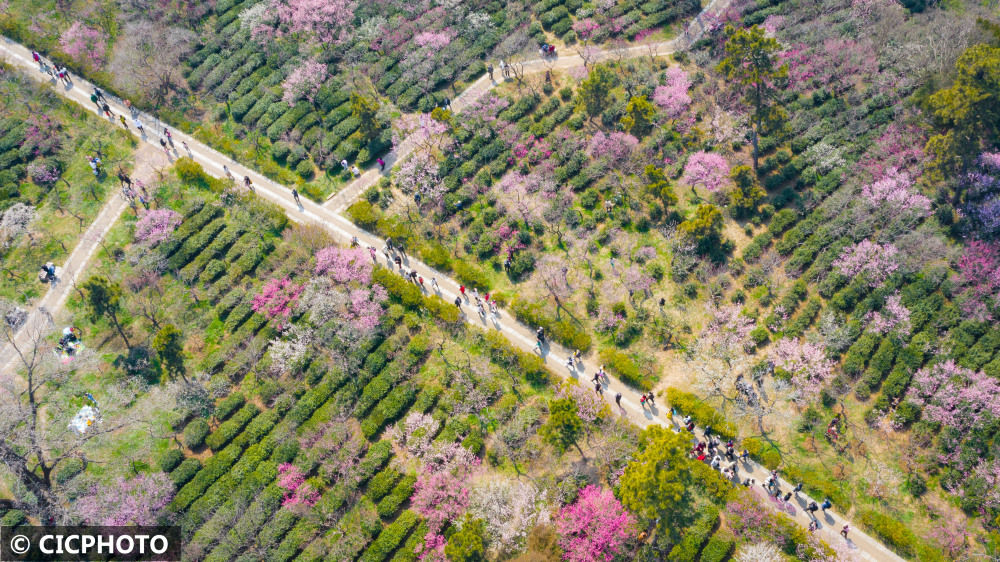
{"x": 83, "y": 420}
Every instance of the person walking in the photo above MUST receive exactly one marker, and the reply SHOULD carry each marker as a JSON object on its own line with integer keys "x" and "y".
{"x": 97, "y": 102}
{"x": 371, "y": 250}
{"x": 247, "y": 182}
{"x": 355, "y": 171}
{"x": 37, "y": 58}
{"x": 128, "y": 106}
{"x": 461, "y": 289}
{"x": 163, "y": 143}
{"x": 107, "y": 110}
{"x": 618, "y": 399}
{"x": 170, "y": 138}
{"x": 226, "y": 170}
{"x": 826, "y": 504}
{"x": 642, "y": 401}
{"x": 295, "y": 194}
{"x": 458, "y": 303}
{"x": 650, "y": 399}
{"x": 598, "y": 389}
{"x": 381, "y": 164}
{"x": 812, "y": 526}
{"x": 489, "y": 70}
{"x": 99, "y": 94}
{"x": 788, "y": 496}
{"x": 812, "y": 508}
{"x": 123, "y": 178}
{"x": 138, "y": 125}
{"x": 597, "y": 378}
{"x": 434, "y": 284}
{"x": 844, "y": 531}
{"x": 124, "y": 122}
{"x": 344, "y": 164}
{"x": 185, "y": 145}
{"x": 797, "y": 489}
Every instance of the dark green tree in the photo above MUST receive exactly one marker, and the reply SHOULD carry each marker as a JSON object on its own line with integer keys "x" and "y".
{"x": 656, "y": 484}
{"x": 658, "y": 186}
{"x": 365, "y": 110}
{"x": 468, "y": 544}
{"x": 103, "y": 300}
{"x": 752, "y": 64}
{"x": 747, "y": 193}
{"x": 704, "y": 228}
{"x": 564, "y": 425}
{"x": 169, "y": 346}
{"x": 639, "y": 116}
{"x": 594, "y": 93}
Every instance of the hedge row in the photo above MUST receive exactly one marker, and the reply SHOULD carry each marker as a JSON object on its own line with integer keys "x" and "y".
{"x": 247, "y": 527}
{"x": 185, "y": 471}
{"x": 389, "y": 505}
{"x": 390, "y": 538}
{"x": 719, "y": 547}
{"x": 382, "y": 483}
{"x": 622, "y": 364}
{"x": 562, "y": 331}
{"x": 231, "y": 428}
{"x": 702, "y": 414}
{"x": 391, "y": 408}
{"x": 229, "y": 404}
{"x": 695, "y": 536}
{"x": 195, "y": 433}
{"x": 190, "y": 226}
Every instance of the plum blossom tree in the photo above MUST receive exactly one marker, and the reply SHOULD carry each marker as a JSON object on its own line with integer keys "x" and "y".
{"x": 126, "y": 502}
{"x": 893, "y": 318}
{"x": 297, "y": 490}
{"x": 509, "y": 508}
{"x": 277, "y": 299}
{"x": 14, "y": 222}
{"x": 321, "y": 20}
{"x": 433, "y": 40}
{"x": 806, "y": 363}
{"x": 868, "y": 260}
{"x": 304, "y": 81}
{"x": 84, "y": 44}
{"x": 343, "y": 313}
{"x": 615, "y": 147}
{"x": 418, "y": 174}
{"x": 147, "y": 59}
{"x": 759, "y": 552}
{"x": 415, "y": 433}
{"x": 155, "y": 226}
{"x": 595, "y": 527}
{"x": 440, "y": 497}
{"x": 893, "y": 196}
{"x": 344, "y": 265}
{"x": 955, "y": 396}
{"x": 673, "y": 96}
{"x": 707, "y": 169}
{"x": 979, "y": 276}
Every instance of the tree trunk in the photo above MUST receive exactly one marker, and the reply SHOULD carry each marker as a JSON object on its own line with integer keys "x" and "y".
{"x": 121, "y": 332}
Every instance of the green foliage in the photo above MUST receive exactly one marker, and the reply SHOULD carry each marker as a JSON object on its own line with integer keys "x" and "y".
{"x": 13, "y": 518}
{"x": 639, "y": 116}
{"x": 191, "y": 173}
{"x": 897, "y": 535}
{"x": 171, "y": 459}
{"x": 390, "y": 538}
{"x": 764, "y": 452}
{"x": 594, "y": 92}
{"x": 365, "y": 110}
{"x": 622, "y": 364}
{"x": 382, "y": 483}
{"x": 656, "y": 483}
{"x": 195, "y": 433}
{"x": 469, "y": 543}
{"x": 564, "y": 425}
{"x": 746, "y": 193}
{"x": 563, "y": 331}
{"x": 169, "y": 346}
{"x": 229, "y": 404}
{"x": 185, "y": 471}
{"x": 364, "y": 214}
{"x": 389, "y": 505}
{"x": 704, "y": 228}
{"x": 702, "y": 414}
{"x": 471, "y": 275}
{"x": 719, "y": 547}
{"x": 231, "y": 428}
{"x": 695, "y": 536}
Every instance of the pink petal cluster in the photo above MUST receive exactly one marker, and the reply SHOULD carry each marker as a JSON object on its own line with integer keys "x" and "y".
{"x": 807, "y": 364}
{"x": 304, "y": 81}
{"x": 276, "y": 299}
{"x": 673, "y": 96}
{"x": 595, "y": 527}
{"x": 365, "y": 310}
{"x": 616, "y": 147}
{"x": 297, "y": 492}
{"x": 84, "y": 44}
{"x": 585, "y": 28}
{"x": 979, "y": 276}
{"x": 708, "y": 169}
{"x": 344, "y": 265}
{"x": 893, "y": 318}
{"x": 440, "y": 498}
{"x": 126, "y": 502}
{"x": 893, "y": 194}
{"x": 156, "y": 226}
{"x": 434, "y": 40}
{"x": 321, "y": 19}
{"x": 868, "y": 260}
{"x": 955, "y": 396}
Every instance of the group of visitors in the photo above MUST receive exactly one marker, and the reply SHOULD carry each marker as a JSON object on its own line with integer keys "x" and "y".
{"x": 59, "y": 73}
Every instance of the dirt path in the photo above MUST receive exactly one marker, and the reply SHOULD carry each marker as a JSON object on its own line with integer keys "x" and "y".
{"x": 522, "y": 336}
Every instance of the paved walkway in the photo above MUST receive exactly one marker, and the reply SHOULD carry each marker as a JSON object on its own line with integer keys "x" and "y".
{"x": 522, "y": 336}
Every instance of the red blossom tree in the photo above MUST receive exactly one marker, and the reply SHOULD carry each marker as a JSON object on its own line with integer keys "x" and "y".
{"x": 344, "y": 265}
{"x": 277, "y": 298}
{"x": 673, "y": 96}
{"x": 979, "y": 276}
{"x": 304, "y": 81}
{"x": 707, "y": 169}
{"x": 594, "y": 527}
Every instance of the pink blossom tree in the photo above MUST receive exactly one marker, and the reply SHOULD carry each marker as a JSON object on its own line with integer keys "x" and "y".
{"x": 304, "y": 82}
{"x": 594, "y": 527}
{"x": 585, "y": 29}
{"x": 893, "y": 196}
{"x": 440, "y": 497}
{"x": 868, "y": 260}
{"x": 673, "y": 96}
{"x": 320, "y": 20}
{"x": 893, "y": 318}
{"x": 43, "y": 174}
{"x": 955, "y": 396}
{"x": 979, "y": 276}
{"x": 344, "y": 265}
{"x": 615, "y": 147}
{"x": 126, "y": 502}
{"x": 707, "y": 169}
{"x": 418, "y": 175}
{"x": 806, "y": 363}
{"x": 432, "y": 40}
{"x": 277, "y": 298}
{"x": 297, "y": 490}
{"x": 84, "y": 44}
{"x": 156, "y": 226}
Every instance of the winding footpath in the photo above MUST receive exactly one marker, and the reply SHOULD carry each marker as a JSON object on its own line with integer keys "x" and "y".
{"x": 327, "y": 215}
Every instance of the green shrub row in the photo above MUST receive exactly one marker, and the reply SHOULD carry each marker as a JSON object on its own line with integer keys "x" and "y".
{"x": 757, "y": 246}
{"x": 13, "y": 518}
{"x": 509, "y": 357}
{"x": 564, "y": 332}
{"x": 695, "y": 536}
{"x": 248, "y": 525}
{"x": 231, "y": 428}
{"x": 189, "y": 227}
{"x": 897, "y": 535}
{"x": 389, "y": 505}
{"x": 185, "y": 471}
{"x": 390, "y": 538}
{"x": 382, "y": 483}
{"x": 389, "y": 410}
{"x": 702, "y": 414}
{"x": 719, "y": 546}
{"x": 621, "y": 364}
{"x": 171, "y": 459}
{"x": 195, "y": 433}
{"x": 804, "y": 319}
{"x": 229, "y": 404}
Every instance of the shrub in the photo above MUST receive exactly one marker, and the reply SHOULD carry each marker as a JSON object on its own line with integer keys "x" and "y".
{"x": 695, "y": 536}
{"x": 719, "y": 547}
{"x": 68, "y": 469}
{"x": 231, "y": 428}
{"x": 229, "y": 405}
{"x": 471, "y": 275}
{"x": 305, "y": 169}
{"x": 382, "y": 483}
{"x": 364, "y": 214}
{"x": 890, "y": 530}
{"x": 700, "y": 412}
{"x": 13, "y": 518}
{"x": 195, "y": 433}
{"x": 625, "y": 367}
{"x": 562, "y": 331}
{"x": 399, "y": 289}
{"x": 171, "y": 459}
{"x": 185, "y": 471}
{"x": 402, "y": 492}
{"x": 390, "y": 538}
{"x": 760, "y": 336}
{"x": 764, "y": 452}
